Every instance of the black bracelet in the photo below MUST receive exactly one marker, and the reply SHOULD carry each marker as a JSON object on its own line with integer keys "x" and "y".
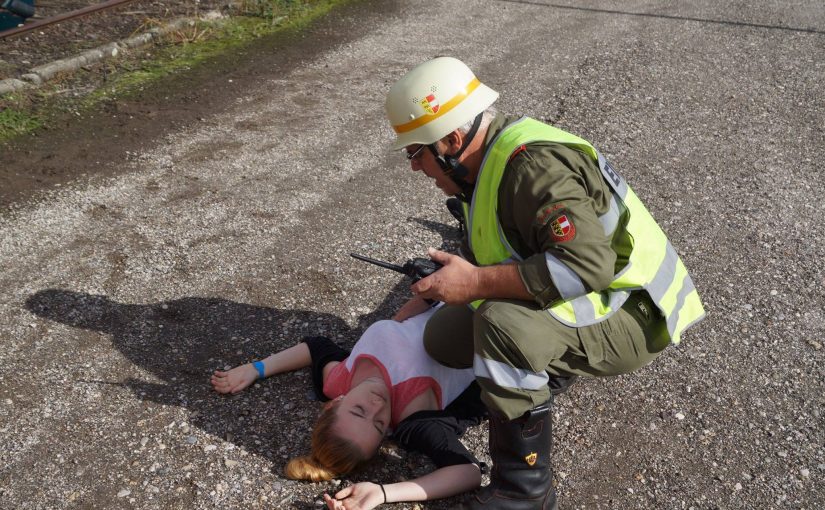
{"x": 382, "y": 490}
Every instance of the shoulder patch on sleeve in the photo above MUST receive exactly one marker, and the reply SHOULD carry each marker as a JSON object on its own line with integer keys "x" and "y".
{"x": 516, "y": 152}
{"x": 561, "y": 226}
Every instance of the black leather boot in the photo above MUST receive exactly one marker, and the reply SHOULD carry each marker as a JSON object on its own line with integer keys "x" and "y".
{"x": 559, "y": 383}
{"x": 521, "y": 478}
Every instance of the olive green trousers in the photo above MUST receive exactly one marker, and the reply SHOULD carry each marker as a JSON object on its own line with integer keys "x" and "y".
{"x": 515, "y": 346}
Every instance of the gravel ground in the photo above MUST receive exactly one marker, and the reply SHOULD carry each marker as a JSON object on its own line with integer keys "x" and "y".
{"x": 227, "y": 238}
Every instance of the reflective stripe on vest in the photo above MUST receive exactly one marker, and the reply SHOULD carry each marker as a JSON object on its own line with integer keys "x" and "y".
{"x": 652, "y": 265}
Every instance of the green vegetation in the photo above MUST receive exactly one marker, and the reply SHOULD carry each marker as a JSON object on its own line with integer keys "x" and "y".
{"x": 17, "y": 122}
{"x": 180, "y": 50}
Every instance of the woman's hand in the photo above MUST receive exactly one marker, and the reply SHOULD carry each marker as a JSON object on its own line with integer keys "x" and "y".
{"x": 234, "y": 381}
{"x": 411, "y": 308}
{"x": 361, "y": 496}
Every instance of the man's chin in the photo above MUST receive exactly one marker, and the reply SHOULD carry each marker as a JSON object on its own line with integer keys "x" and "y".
{"x": 448, "y": 190}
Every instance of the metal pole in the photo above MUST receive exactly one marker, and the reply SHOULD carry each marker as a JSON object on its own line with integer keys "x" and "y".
{"x": 62, "y": 17}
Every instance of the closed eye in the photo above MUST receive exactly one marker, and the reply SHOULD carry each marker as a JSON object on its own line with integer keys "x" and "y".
{"x": 359, "y": 412}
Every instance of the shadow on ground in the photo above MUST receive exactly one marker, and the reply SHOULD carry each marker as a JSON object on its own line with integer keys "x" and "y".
{"x": 180, "y": 342}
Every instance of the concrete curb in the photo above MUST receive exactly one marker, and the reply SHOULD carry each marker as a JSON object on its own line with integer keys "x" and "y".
{"x": 41, "y": 74}
{"x": 10, "y": 85}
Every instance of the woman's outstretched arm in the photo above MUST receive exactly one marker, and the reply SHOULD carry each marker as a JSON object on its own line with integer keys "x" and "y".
{"x": 241, "y": 377}
{"x": 441, "y": 483}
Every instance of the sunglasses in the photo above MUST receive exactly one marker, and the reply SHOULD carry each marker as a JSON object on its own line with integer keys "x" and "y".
{"x": 415, "y": 154}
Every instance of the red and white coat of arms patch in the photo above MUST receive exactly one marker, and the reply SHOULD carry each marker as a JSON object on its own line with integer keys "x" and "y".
{"x": 562, "y": 229}
{"x": 430, "y": 103}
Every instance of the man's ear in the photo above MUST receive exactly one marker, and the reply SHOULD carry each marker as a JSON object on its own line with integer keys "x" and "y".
{"x": 454, "y": 140}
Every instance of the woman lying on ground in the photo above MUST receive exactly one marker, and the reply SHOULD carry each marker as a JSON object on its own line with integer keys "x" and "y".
{"x": 387, "y": 387}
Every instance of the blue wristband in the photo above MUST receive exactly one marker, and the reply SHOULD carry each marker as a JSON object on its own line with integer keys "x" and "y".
{"x": 259, "y": 366}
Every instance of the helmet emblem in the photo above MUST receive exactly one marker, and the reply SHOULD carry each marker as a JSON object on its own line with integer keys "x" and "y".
{"x": 531, "y": 459}
{"x": 430, "y": 103}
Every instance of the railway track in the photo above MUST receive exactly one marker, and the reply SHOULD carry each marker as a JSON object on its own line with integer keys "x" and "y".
{"x": 59, "y": 18}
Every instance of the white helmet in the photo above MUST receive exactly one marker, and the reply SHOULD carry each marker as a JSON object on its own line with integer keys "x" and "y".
{"x": 434, "y": 99}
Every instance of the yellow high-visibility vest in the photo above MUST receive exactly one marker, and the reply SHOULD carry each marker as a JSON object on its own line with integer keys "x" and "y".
{"x": 648, "y": 260}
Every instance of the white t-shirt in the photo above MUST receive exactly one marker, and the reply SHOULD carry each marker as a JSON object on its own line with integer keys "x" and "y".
{"x": 397, "y": 348}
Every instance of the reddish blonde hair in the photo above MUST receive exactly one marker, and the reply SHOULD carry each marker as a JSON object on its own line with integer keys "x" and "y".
{"x": 331, "y": 455}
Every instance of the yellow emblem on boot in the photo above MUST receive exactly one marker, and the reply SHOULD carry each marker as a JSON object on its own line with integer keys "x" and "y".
{"x": 531, "y": 459}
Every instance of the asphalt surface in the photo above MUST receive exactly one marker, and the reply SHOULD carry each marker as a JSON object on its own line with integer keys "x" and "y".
{"x": 227, "y": 238}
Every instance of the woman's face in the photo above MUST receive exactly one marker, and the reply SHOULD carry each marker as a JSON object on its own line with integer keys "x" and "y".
{"x": 363, "y": 416}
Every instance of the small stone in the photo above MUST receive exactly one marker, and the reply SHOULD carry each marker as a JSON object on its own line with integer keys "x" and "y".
{"x": 143, "y": 441}
{"x": 191, "y": 439}
{"x": 774, "y": 292}
{"x": 737, "y": 487}
{"x": 679, "y": 416}
{"x": 209, "y": 448}
{"x": 8, "y": 401}
{"x": 230, "y": 463}
{"x": 123, "y": 493}
{"x": 805, "y": 473}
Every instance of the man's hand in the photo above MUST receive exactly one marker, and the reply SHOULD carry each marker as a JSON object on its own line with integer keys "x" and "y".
{"x": 456, "y": 283}
{"x": 361, "y": 496}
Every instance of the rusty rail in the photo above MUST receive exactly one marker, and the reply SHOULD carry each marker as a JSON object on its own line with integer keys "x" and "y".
{"x": 62, "y": 17}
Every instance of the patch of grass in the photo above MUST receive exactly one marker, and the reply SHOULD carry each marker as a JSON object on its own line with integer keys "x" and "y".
{"x": 15, "y": 122}
{"x": 181, "y": 50}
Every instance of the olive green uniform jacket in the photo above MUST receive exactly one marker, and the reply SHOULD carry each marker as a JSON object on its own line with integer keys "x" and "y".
{"x": 549, "y": 201}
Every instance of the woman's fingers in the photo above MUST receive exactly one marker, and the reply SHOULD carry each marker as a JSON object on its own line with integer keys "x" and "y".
{"x": 329, "y": 501}
{"x": 344, "y": 493}
{"x": 333, "y": 504}
{"x": 235, "y": 380}
{"x": 219, "y": 382}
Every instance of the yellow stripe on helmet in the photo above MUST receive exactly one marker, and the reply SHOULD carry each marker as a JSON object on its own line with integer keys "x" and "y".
{"x": 446, "y": 107}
